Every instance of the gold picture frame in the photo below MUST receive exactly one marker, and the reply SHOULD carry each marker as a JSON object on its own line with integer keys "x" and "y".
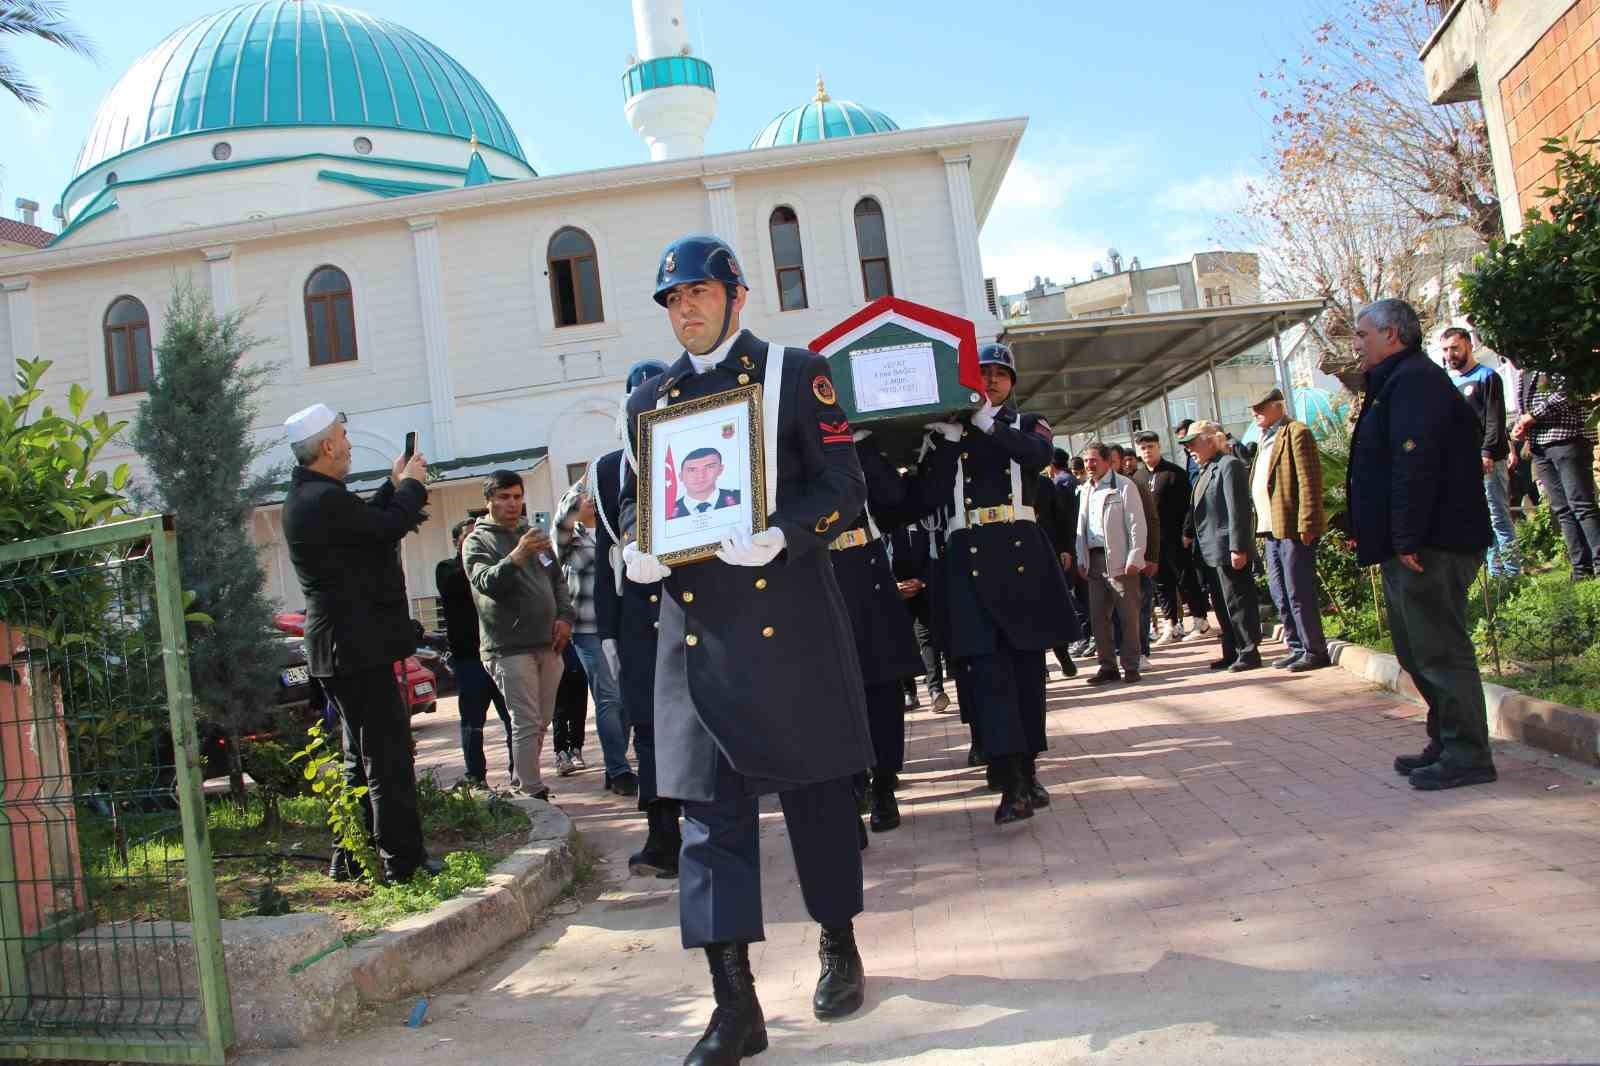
{"x": 702, "y": 473}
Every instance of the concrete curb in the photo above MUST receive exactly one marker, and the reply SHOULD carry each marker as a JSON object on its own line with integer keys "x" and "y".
{"x": 420, "y": 952}
{"x": 1513, "y": 715}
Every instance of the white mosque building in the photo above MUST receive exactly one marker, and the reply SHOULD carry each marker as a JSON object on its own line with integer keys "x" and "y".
{"x": 361, "y": 190}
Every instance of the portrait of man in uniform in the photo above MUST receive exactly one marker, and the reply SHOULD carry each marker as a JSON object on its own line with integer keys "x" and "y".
{"x": 697, "y": 476}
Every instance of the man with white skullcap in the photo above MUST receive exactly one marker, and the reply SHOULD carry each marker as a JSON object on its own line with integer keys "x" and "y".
{"x": 346, "y": 553}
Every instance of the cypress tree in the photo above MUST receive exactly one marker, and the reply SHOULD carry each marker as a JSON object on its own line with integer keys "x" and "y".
{"x": 193, "y": 432}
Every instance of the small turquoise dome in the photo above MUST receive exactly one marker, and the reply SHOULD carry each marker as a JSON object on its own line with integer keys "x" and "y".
{"x": 289, "y": 63}
{"x": 822, "y": 119}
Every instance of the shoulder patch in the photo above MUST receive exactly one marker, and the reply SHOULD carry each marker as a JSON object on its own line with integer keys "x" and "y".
{"x": 835, "y": 432}
{"x": 822, "y": 389}
{"x": 1409, "y": 445}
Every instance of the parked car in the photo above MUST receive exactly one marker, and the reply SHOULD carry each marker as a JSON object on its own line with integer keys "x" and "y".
{"x": 418, "y": 685}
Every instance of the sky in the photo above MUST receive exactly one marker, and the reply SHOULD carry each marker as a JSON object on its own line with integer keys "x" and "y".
{"x": 1144, "y": 120}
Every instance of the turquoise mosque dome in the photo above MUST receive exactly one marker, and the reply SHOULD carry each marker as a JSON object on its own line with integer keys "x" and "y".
{"x": 288, "y": 63}
{"x": 822, "y": 118}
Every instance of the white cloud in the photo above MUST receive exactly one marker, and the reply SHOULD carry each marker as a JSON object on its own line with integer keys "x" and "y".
{"x": 1208, "y": 193}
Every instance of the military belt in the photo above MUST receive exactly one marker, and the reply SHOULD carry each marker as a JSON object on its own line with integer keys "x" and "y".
{"x": 984, "y": 516}
{"x": 851, "y": 538}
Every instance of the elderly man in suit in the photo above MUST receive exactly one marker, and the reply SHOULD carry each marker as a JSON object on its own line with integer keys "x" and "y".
{"x": 1286, "y": 488}
{"x": 1221, "y": 524}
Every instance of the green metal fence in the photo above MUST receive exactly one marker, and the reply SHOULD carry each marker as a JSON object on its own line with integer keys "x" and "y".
{"x": 110, "y": 943}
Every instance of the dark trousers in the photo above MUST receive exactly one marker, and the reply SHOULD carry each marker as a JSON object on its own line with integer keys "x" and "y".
{"x": 719, "y": 868}
{"x": 932, "y": 661}
{"x": 572, "y": 705}
{"x": 1428, "y": 620}
{"x": 1007, "y": 700}
{"x": 1233, "y": 598}
{"x": 1167, "y": 579}
{"x": 886, "y": 721}
{"x": 377, "y": 754}
{"x": 644, "y": 748}
{"x": 1292, "y": 580}
{"x": 475, "y": 690}
{"x": 1191, "y": 580}
{"x": 1566, "y": 476}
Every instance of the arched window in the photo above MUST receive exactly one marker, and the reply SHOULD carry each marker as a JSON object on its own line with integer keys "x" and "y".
{"x": 129, "y": 366}
{"x": 873, "y": 244}
{"x": 330, "y": 317}
{"x": 784, "y": 226}
{"x": 574, "y": 278}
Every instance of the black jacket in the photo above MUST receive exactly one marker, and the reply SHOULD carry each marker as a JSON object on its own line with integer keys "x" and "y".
{"x": 346, "y": 553}
{"x": 1485, "y": 393}
{"x": 772, "y": 673}
{"x": 1170, "y": 485}
{"x": 1415, "y": 478}
{"x": 455, "y": 601}
{"x": 1004, "y": 578}
{"x": 628, "y": 617}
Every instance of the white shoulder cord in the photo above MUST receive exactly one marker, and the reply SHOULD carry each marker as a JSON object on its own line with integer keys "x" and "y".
{"x": 771, "y": 405}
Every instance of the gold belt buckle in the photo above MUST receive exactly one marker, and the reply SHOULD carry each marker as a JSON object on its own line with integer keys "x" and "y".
{"x": 850, "y": 538}
{"x": 984, "y": 516}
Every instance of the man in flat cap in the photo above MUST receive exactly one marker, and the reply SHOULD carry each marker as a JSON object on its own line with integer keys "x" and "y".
{"x": 346, "y": 553}
{"x": 1222, "y": 527}
{"x": 1286, "y": 489}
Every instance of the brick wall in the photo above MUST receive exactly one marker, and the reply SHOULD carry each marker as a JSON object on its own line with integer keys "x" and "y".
{"x": 1550, "y": 91}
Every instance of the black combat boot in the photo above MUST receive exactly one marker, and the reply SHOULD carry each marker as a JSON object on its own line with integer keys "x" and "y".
{"x": 737, "y": 1027}
{"x": 842, "y": 985}
{"x": 885, "y": 811}
{"x": 1015, "y": 802}
{"x": 1036, "y": 793}
{"x": 343, "y": 866}
{"x": 659, "y": 856}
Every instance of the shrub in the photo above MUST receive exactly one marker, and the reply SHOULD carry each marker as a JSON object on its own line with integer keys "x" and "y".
{"x": 1548, "y": 620}
{"x": 1539, "y": 540}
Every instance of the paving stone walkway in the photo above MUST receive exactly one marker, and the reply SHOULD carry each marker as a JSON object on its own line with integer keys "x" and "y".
{"x": 1230, "y": 872}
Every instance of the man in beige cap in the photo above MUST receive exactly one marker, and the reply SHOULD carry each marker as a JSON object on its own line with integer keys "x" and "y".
{"x": 1286, "y": 488}
{"x": 1221, "y": 525}
{"x": 346, "y": 553}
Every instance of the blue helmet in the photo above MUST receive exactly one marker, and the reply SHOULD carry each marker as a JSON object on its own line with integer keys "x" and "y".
{"x": 997, "y": 354}
{"x": 697, "y": 257}
{"x": 641, "y": 372}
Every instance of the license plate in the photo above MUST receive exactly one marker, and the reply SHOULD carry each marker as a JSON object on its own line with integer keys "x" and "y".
{"x": 295, "y": 675}
{"x": 424, "y": 689}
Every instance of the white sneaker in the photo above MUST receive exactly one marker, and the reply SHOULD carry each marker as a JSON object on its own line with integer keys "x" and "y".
{"x": 1145, "y": 663}
{"x": 564, "y": 767}
{"x": 1199, "y": 632}
{"x": 576, "y": 757}
{"x": 1169, "y": 635}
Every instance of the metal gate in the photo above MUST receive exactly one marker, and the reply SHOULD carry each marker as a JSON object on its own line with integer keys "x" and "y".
{"x": 110, "y": 944}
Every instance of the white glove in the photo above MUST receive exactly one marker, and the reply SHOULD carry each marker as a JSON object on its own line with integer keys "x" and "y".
{"x": 608, "y": 648}
{"x": 950, "y": 431}
{"x": 860, "y": 435}
{"x": 643, "y": 569}
{"x": 741, "y": 549}
{"x": 983, "y": 417}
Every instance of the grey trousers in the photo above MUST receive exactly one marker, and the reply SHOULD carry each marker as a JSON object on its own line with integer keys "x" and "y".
{"x": 528, "y": 680}
{"x": 1113, "y": 594}
{"x": 1428, "y": 618}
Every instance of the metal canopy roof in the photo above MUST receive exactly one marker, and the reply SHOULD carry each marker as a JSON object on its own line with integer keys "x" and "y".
{"x": 1085, "y": 372}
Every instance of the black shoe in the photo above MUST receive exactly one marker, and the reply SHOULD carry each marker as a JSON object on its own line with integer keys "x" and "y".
{"x": 1286, "y": 661}
{"x": 1101, "y": 676}
{"x": 913, "y": 702}
{"x": 975, "y": 756}
{"x": 994, "y": 775}
{"x": 343, "y": 866}
{"x": 1308, "y": 663}
{"x": 1404, "y": 764}
{"x": 1068, "y": 667}
{"x": 885, "y": 809}
{"x": 1222, "y": 664}
{"x": 1245, "y": 662}
{"x": 1130, "y": 676}
{"x": 1016, "y": 803}
{"x": 542, "y": 794}
{"x": 659, "y": 856}
{"x": 737, "y": 1028}
{"x": 624, "y": 784}
{"x": 1438, "y": 775}
{"x": 842, "y": 984}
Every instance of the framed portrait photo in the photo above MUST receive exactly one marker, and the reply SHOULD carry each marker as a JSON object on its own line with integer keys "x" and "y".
{"x": 702, "y": 474}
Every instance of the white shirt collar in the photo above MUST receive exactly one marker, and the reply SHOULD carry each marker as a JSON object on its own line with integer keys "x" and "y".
{"x": 702, "y": 363}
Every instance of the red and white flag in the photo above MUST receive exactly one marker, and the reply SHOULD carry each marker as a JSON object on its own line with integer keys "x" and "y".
{"x": 670, "y": 480}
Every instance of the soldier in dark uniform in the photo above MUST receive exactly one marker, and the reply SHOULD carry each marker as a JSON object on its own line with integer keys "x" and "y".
{"x": 757, "y": 688}
{"x": 886, "y": 644}
{"x": 625, "y": 618}
{"x": 1003, "y": 586}
{"x": 909, "y": 550}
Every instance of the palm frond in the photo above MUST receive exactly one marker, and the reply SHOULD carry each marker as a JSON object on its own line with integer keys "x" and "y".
{"x": 42, "y": 20}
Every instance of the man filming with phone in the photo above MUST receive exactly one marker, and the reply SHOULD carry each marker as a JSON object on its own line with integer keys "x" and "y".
{"x": 525, "y": 618}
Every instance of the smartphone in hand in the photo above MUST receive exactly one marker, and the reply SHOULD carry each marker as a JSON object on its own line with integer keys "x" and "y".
{"x": 411, "y": 446}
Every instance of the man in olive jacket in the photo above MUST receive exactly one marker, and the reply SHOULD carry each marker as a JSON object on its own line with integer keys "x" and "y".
{"x": 1417, "y": 510}
{"x": 346, "y": 553}
{"x": 1286, "y": 489}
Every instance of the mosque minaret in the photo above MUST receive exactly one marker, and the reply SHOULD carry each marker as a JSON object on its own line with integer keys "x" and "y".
{"x": 671, "y": 95}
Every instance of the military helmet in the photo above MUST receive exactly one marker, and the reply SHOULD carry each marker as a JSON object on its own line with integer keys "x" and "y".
{"x": 998, "y": 355}
{"x": 641, "y": 372}
{"x": 697, "y": 257}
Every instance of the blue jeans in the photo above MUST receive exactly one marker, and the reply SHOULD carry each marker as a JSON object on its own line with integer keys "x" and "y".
{"x": 1503, "y": 559}
{"x": 609, "y": 721}
{"x": 475, "y": 690}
